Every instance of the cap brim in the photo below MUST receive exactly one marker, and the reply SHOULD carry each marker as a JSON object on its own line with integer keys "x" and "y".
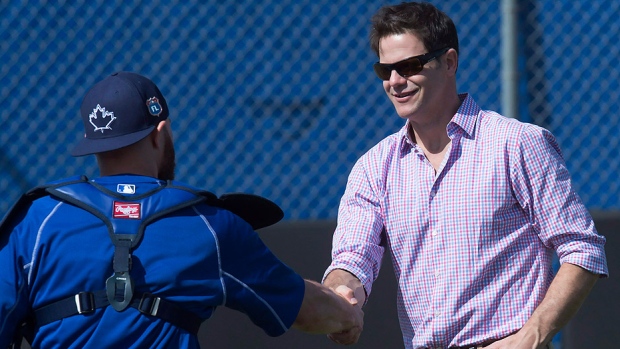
{"x": 88, "y": 146}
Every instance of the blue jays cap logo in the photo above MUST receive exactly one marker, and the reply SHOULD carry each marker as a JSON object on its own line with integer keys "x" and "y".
{"x": 154, "y": 106}
{"x": 102, "y": 124}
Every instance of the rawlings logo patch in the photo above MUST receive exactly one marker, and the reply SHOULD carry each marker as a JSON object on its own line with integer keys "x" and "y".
{"x": 127, "y": 210}
{"x": 154, "y": 106}
{"x": 102, "y": 124}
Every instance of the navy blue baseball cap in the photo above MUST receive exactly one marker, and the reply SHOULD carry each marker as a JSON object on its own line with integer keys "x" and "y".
{"x": 119, "y": 111}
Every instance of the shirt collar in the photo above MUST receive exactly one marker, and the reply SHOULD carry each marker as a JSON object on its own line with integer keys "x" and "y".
{"x": 466, "y": 116}
{"x": 465, "y": 119}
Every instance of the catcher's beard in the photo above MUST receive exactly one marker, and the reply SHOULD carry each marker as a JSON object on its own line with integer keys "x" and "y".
{"x": 166, "y": 170}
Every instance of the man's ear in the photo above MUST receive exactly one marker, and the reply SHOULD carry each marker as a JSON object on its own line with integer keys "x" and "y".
{"x": 157, "y": 135}
{"x": 452, "y": 60}
{"x": 162, "y": 124}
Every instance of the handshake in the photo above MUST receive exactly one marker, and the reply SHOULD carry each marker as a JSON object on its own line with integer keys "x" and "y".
{"x": 351, "y": 334}
{"x": 334, "y": 308}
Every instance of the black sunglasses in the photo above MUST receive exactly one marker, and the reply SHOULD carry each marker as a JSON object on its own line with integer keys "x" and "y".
{"x": 407, "y": 67}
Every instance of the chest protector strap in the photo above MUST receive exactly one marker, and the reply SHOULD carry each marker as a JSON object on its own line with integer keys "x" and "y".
{"x": 146, "y": 303}
{"x": 130, "y": 216}
{"x": 126, "y": 218}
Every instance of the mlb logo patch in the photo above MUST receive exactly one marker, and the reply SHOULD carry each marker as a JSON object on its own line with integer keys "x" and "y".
{"x": 126, "y": 188}
{"x": 127, "y": 210}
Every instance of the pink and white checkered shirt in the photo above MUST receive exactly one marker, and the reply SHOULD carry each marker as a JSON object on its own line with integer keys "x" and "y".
{"x": 472, "y": 245}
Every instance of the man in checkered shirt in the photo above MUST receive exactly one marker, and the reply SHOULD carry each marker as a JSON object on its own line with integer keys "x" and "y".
{"x": 471, "y": 205}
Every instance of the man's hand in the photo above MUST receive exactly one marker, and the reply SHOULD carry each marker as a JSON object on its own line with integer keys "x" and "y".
{"x": 353, "y": 288}
{"x": 518, "y": 341}
{"x": 325, "y": 311}
{"x": 346, "y": 337}
{"x": 347, "y": 294}
{"x": 350, "y": 288}
{"x": 350, "y": 336}
{"x": 566, "y": 293}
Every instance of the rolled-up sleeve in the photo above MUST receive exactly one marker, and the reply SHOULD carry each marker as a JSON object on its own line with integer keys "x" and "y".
{"x": 544, "y": 189}
{"x": 356, "y": 245}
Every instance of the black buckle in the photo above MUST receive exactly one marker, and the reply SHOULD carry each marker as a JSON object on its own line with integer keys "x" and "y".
{"x": 85, "y": 302}
{"x": 119, "y": 289}
{"x": 149, "y": 304}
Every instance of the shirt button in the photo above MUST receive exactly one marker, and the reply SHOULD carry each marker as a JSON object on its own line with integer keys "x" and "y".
{"x": 434, "y": 232}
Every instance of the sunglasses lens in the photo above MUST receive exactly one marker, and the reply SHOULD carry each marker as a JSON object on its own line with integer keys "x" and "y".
{"x": 382, "y": 71}
{"x": 409, "y": 67}
{"x": 405, "y": 68}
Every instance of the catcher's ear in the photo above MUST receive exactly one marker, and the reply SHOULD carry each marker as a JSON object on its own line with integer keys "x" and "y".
{"x": 158, "y": 134}
{"x": 163, "y": 124}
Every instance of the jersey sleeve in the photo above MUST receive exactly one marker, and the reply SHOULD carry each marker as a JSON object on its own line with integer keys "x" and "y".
{"x": 255, "y": 281}
{"x": 13, "y": 281}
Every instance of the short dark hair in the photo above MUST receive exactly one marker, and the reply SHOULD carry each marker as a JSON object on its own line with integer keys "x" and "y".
{"x": 433, "y": 27}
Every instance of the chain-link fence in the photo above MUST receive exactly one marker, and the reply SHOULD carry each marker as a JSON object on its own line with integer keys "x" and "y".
{"x": 278, "y": 98}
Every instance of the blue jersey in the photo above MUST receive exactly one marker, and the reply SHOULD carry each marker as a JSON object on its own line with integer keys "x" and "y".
{"x": 198, "y": 257}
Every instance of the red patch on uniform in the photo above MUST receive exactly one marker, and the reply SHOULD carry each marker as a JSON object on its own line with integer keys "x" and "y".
{"x": 127, "y": 210}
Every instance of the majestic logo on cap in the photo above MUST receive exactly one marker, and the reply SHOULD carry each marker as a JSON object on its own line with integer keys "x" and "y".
{"x": 154, "y": 106}
{"x": 104, "y": 114}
